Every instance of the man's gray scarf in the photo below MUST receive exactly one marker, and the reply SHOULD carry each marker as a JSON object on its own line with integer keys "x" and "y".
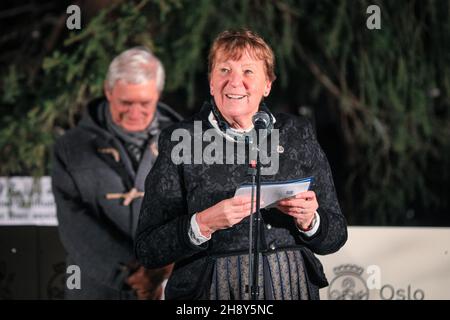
{"x": 133, "y": 141}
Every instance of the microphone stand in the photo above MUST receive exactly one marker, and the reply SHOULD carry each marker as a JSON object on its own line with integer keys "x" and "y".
{"x": 254, "y": 241}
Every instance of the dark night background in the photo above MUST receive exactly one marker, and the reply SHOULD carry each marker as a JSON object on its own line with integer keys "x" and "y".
{"x": 379, "y": 99}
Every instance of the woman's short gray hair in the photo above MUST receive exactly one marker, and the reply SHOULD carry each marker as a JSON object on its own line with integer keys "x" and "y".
{"x": 135, "y": 65}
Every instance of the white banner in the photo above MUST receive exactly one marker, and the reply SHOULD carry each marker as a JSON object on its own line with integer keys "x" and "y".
{"x": 390, "y": 263}
{"x": 27, "y": 201}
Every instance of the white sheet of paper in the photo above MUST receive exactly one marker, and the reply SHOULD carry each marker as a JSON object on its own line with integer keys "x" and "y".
{"x": 272, "y": 192}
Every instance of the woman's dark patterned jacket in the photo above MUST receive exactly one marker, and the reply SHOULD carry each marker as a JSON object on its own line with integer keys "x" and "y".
{"x": 184, "y": 189}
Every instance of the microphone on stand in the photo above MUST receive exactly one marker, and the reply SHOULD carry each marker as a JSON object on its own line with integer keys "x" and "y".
{"x": 261, "y": 120}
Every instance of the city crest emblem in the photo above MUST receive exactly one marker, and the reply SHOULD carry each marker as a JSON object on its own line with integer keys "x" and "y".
{"x": 348, "y": 283}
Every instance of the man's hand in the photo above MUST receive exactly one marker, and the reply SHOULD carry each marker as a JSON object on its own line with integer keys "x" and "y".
{"x": 147, "y": 283}
{"x": 150, "y": 295}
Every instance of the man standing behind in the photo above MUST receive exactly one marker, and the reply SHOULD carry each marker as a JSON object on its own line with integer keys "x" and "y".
{"x": 98, "y": 179}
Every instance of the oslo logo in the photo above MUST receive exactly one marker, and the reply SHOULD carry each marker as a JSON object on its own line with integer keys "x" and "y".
{"x": 348, "y": 284}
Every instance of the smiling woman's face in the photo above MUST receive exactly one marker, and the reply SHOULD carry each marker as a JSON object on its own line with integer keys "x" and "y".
{"x": 238, "y": 86}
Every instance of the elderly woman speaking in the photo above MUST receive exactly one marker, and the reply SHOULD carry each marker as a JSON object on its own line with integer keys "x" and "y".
{"x": 190, "y": 215}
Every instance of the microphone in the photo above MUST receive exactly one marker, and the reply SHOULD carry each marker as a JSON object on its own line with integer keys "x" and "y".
{"x": 261, "y": 120}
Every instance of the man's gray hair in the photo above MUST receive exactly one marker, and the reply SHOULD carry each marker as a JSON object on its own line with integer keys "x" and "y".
{"x": 135, "y": 66}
